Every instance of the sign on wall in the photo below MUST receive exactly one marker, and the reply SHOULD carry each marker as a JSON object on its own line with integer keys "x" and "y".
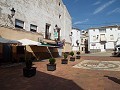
{"x": 56, "y": 35}
{"x": 93, "y": 44}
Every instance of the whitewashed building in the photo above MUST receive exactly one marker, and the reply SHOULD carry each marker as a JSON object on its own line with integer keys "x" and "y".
{"x": 75, "y": 37}
{"x": 38, "y": 16}
{"x": 103, "y": 38}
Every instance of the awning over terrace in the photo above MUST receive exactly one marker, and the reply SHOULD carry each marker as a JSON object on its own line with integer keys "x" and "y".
{"x": 26, "y": 42}
{"x": 31, "y": 42}
{"x": 8, "y": 41}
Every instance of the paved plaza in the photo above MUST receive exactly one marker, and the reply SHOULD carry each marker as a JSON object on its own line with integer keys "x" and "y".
{"x": 66, "y": 77}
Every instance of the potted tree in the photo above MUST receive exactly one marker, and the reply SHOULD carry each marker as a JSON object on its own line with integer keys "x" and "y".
{"x": 78, "y": 55}
{"x": 29, "y": 71}
{"x": 72, "y": 54}
{"x": 52, "y": 65}
{"x": 65, "y": 60}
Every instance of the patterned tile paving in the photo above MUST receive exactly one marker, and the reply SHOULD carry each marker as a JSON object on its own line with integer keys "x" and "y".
{"x": 99, "y": 65}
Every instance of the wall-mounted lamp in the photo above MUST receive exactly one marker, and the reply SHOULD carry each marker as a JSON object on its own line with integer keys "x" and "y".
{"x": 10, "y": 16}
{"x": 56, "y": 26}
{"x": 12, "y": 12}
{"x": 71, "y": 34}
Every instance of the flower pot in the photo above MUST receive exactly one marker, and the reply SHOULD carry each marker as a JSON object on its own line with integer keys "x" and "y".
{"x": 51, "y": 67}
{"x": 64, "y": 61}
{"x": 77, "y": 57}
{"x": 72, "y": 58}
{"x": 29, "y": 72}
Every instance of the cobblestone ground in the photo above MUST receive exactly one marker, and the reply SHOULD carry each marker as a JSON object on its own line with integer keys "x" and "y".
{"x": 64, "y": 78}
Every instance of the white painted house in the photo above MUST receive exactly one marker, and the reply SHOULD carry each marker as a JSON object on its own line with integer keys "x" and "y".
{"x": 103, "y": 38}
{"x": 118, "y": 39}
{"x": 75, "y": 34}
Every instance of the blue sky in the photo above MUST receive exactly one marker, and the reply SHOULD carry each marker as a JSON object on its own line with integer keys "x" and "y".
{"x": 93, "y": 13}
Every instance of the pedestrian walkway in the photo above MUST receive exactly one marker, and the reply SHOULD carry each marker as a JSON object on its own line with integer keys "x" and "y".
{"x": 66, "y": 77}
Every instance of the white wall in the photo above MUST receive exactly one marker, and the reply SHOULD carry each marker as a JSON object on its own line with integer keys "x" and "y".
{"x": 75, "y": 36}
{"x": 37, "y": 12}
{"x": 118, "y": 40}
{"x": 109, "y": 44}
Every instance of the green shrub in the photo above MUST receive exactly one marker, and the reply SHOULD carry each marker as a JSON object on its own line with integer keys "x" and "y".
{"x": 65, "y": 55}
{"x": 71, "y": 53}
{"x": 52, "y": 60}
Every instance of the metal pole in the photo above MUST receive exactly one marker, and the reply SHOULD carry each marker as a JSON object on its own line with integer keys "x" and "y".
{"x": 49, "y": 52}
{"x": 25, "y": 52}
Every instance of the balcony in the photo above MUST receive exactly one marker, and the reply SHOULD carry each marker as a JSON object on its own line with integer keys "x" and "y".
{"x": 103, "y": 38}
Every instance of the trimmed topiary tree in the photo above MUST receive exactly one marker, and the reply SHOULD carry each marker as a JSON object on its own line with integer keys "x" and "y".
{"x": 52, "y": 65}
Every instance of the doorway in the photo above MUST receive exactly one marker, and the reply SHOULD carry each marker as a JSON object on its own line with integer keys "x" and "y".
{"x": 7, "y": 53}
{"x": 103, "y": 47}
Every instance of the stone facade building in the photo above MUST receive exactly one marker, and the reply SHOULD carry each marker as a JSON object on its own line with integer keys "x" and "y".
{"x": 39, "y": 20}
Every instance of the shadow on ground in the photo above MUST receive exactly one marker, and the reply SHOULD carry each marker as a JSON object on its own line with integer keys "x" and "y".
{"x": 116, "y": 80}
{"x": 12, "y": 79}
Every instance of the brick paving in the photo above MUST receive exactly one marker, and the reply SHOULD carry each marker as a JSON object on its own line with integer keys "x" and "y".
{"x": 64, "y": 78}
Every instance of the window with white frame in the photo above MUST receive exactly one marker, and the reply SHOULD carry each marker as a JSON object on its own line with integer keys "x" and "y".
{"x": 94, "y": 38}
{"x": 59, "y": 3}
{"x": 47, "y": 31}
{"x": 111, "y": 37}
{"x": 102, "y": 30}
{"x": 82, "y": 40}
{"x": 94, "y": 30}
{"x": 97, "y": 36}
{"x": 33, "y": 28}
{"x": 102, "y": 37}
{"x": 19, "y": 23}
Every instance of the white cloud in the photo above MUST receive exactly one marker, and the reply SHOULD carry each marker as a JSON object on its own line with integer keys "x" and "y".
{"x": 117, "y": 10}
{"x": 80, "y": 22}
{"x": 101, "y": 8}
{"x": 96, "y": 3}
